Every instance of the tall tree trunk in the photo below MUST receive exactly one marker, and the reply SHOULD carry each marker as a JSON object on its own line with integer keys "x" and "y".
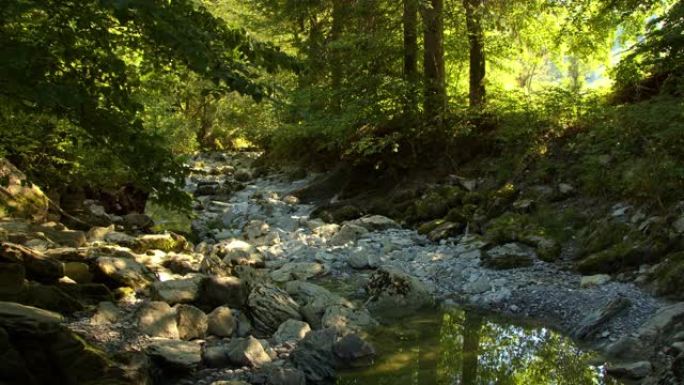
{"x": 474, "y": 10}
{"x": 433, "y": 60}
{"x": 410, "y": 21}
{"x": 336, "y": 68}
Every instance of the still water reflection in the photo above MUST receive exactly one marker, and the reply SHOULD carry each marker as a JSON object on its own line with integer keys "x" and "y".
{"x": 467, "y": 348}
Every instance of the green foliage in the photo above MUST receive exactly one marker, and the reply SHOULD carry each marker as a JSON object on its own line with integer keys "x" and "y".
{"x": 70, "y": 72}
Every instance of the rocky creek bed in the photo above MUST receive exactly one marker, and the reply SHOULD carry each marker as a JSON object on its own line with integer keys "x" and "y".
{"x": 268, "y": 295}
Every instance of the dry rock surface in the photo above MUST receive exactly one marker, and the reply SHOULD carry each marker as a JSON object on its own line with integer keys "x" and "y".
{"x": 270, "y": 296}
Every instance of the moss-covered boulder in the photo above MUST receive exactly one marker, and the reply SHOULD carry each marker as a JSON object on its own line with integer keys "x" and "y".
{"x": 18, "y": 197}
{"x": 427, "y": 227}
{"x": 437, "y": 202}
{"x": 515, "y": 227}
{"x": 668, "y": 277}
{"x": 446, "y": 230}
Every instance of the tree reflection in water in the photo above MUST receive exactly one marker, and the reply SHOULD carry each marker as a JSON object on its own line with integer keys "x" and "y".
{"x": 467, "y": 348}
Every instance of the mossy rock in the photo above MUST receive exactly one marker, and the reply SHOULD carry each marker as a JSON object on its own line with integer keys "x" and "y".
{"x": 437, "y": 202}
{"x": 446, "y": 230}
{"x": 457, "y": 215}
{"x": 668, "y": 278}
{"x": 426, "y": 227}
{"x": 604, "y": 234}
{"x": 337, "y": 214}
{"x": 618, "y": 257}
{"x": 516, "y": 227}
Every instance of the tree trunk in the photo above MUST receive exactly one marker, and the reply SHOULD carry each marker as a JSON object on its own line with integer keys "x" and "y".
{"x": 474, "y": 10}
{"x": 336, "y": 68}
{"x": 433, "y": 61}
{"x": 410, "y": 21}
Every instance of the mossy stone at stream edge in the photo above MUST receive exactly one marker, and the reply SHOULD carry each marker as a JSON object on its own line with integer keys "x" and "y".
{"x": 668, "y": 278}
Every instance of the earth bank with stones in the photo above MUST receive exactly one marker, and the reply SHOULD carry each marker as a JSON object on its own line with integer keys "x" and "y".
{"x": 280, "y": 288}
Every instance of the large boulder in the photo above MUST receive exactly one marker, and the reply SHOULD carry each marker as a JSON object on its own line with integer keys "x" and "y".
{"x": 348, "y": 233}
{"x": 177, "y": 290}
{"x": 18, "y": 197}
{"x": 394, "y": 293}
{"x": 347, "y": 320}
{"x": 35, "y": 349}
{"x": 38, "y": 266}
{"x": 175, "y": 354}
{"x": 218, "y": 291}
{"x": 118, "y": 272}
{"x": 321, "y": 352}
{"x": 12, "y": 277}
{"x": 247, "y": 352}
{"x": 222, "y": 322}
{"x": 191, "y": 322}
{"x": 269, "y": 307}
{"x": 291, "y": 331}
{"x": 157, "y": 319}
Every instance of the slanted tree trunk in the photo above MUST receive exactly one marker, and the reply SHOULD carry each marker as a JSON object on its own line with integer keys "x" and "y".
{"x": 410, "y": 21}
{"x": 474, "y": 10}
{"x": 435, "y": 98}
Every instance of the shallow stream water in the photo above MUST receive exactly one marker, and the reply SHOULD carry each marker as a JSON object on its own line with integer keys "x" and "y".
{"x": 469, "y": 348}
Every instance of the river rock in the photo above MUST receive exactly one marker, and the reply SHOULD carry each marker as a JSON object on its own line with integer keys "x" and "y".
{"x": 590, "y": 281}
{"x": 11, "y": 279}
{"x": 508, "y": 256}
{"x": 594, "y": 320}
{"x": 157, "y": 319}
{"x": 215, "y": 355}
{"x": 275, "y": 375}
{"x": 347, "y": 320}
{"x": 446, "y": 230}
{"x": 661, "y": 322}
{"x": 298, "y": 271}
{"x": 176, "y": 355}
{"x": 238, "y": 252}
{"x": 106, "y": 313}
{"x": 222, "y": 322}
{"x": 291, "y": 331}
{"x": 121, "y": 239}
{"x": 363, "y": 259}
{"x": 177, "y": 290}
{"x": 315, "y": 300}
{"x": 218, "y": 291}
{"x": 314, "y": 356}
{"x": 78, "y": 271}
{"x": 255, "y": 229}
{"x": 164, "y": 242}
{"x": 192, "y": 323}
{"x": 376, "y": 223}
{"x": 135, "y": 221}
{"x": 38, "y": 267}
{"x": 630, "y": 370}
{"x": 348, "y": 233}
{"x": 322, "y": 229}
{"x": 269, "y": 307}
{"x": 247, "y": 352}
{"x": 394, "y": 293}
{"x": 352, "y": 351}
{"x": 124, "y": 272}
{"x": 14, "y": 316}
